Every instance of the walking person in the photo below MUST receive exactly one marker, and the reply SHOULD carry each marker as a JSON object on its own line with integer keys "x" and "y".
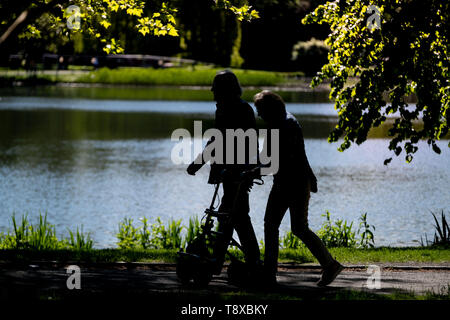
{"x": 291, "y": 189}
{"x": 231, "y": 113}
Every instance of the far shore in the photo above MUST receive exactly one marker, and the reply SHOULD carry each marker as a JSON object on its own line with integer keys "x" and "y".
{"x": 182, "y": 78}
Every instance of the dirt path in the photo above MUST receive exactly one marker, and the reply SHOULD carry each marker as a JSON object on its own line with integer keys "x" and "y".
{"x": 47, "y": 280}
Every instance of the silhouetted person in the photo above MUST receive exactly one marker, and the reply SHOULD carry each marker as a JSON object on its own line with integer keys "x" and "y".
{"x": 291, "y": 189}
{"x": 231, "y": 113}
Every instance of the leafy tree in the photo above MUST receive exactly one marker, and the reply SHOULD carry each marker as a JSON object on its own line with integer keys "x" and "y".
{"x": 207, "y": 32}
{"x": 406, "y": 54}
{"x": 267, "y": 43}
{"x": 23, "y": 18}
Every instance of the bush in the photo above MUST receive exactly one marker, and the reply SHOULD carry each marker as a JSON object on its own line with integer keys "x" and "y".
{"x": 155, "y": 236}
{"x": 291, "y": 241}
{"x": 128, "y": 235}
{"x": 166, "y": 237}
{"x": 42, "y": 236}
{"x": 309, "y": 56}
{"x": 336, "y": 234}
{"x": 339, "y": 234}
{"x": 367, "y": 239}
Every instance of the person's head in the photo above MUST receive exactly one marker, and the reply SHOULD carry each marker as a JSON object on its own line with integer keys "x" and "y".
{"x": 226, "y": 86}
{"x": 270, "y": 107}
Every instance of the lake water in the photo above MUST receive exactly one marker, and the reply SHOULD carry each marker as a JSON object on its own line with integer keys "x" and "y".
{"x": 91, "y": 162}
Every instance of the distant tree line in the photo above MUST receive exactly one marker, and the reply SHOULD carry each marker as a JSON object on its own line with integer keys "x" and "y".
{"x": 206, "y": 33}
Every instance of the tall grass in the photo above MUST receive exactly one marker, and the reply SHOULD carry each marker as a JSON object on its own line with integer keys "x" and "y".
{"x": 336, "y": 234}
{"x": 442, "y": 232}
{"x": 173, "y": 235}
{"x": 38, "y": 237}
{"x": 367, "y": 239}
{"x": 79, "y": 240}
{"x": 41, "y": 236}
{"x": 193, "y": 230}
{"x": 167, "y": 237}
{"x": 291, "y": 241}
{"x": 128, "y": 235}
{"x": 154, "y": 236}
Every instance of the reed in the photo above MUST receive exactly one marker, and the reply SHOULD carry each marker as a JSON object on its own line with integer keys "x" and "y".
{"x": 441, "y": 234}
{"x": 42, "y": 236}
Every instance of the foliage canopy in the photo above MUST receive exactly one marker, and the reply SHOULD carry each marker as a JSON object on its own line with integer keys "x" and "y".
{"x": 94, "y": 17}
{"x": 407, "y": 54}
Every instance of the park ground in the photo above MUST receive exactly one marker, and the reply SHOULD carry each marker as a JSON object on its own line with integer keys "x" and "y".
{"x": 420, "y": 273}
{"x": 153, "y": 287}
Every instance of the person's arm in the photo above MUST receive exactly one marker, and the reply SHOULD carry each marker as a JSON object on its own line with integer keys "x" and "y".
{"x": 312, "y": 177}
{"x": 251, "y": 124}
{"x": 199, "y": 161}
{"x": 195, "y": 165}
{"x": 302, "y": 151}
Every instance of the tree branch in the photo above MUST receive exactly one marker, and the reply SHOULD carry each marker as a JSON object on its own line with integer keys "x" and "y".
{"x": 21, "y": 18}
{"x": 28, "y": 14}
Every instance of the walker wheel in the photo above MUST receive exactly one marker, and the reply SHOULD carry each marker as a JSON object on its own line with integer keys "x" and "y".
{"x": 184, "y": 270}
{"x": 237, "y": 272}
{"x": 202, "y": 274}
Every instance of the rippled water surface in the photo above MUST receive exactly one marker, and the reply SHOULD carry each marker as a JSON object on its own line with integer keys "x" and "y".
{"x": 92, "y": 162}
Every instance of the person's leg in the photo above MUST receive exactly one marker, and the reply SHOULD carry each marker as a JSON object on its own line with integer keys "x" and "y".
{"x": 275, "y": 210}
{"x": 298, "y": 206}
{"x": 299, "y": 225}
{"x": 225, "y": 227}
{"x": 242, "y": 224}
{"x": 235, "y": 202}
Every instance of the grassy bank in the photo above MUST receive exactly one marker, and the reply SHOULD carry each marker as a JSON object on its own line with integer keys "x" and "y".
{"x": 200, "y": 76}
{"x": 373, "y": 255}
{"x": 344, "y": 255}
{"x": 186, "y": 76}
{"x": 155, "y": 241}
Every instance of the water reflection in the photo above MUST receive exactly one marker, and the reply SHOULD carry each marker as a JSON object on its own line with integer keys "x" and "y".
{"x": 150, "y": 93}
{"x": 72, "y": 119}
{"x": 98, "y": 183}
{"x": 94, "y": 165}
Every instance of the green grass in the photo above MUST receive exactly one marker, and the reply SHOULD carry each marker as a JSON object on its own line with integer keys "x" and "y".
{"x": 373, "y": 255}
{"x": 185, "y": 76}
{"x": 90, "y": 256}
{"x": 192, "y": 76}
{"x": 344, "y": 255}
{"x": 159, "y": 242}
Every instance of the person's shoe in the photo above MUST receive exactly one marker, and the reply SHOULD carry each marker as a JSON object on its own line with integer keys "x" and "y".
{"x": 264, "y": 282}
{"x": 267, "y": 279}
{"x": 330, "y": 273}
{"x": 270, "y": 282}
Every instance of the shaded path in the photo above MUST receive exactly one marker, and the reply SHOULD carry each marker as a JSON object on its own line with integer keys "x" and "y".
{"x": 43, "y": 280}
